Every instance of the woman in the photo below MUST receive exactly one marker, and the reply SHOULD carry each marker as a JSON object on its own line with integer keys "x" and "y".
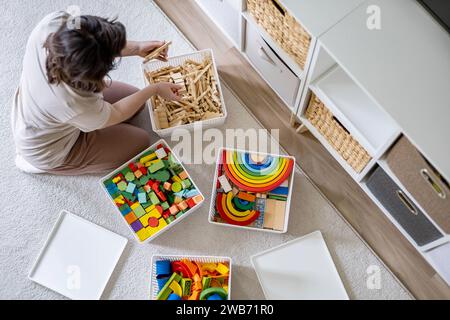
{"x": 67, "y": 118}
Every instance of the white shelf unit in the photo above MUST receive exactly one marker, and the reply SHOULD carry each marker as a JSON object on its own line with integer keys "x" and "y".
{"x": 359, "y": 114}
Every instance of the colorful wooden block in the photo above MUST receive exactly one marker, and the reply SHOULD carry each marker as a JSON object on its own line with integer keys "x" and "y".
{"x": 183, "y": 205}
{"x": 186, "y": 184}
{"x": 153, "y": 198}
{"x": 165, "y": 205}
{"x": 148, "y": 158}
{"x": 246, "y": 196}
{"x": 173, "y": 210}
{"x": 177, "y": 187}
{"x": 161, "y": 153}
{"x": 130, "y": 176}
{"x": 197, "y": 199}
{"x": 138, "y": 174}
{"x": 136, "y": 226}
{"x": 130, "y": 218}
{"x": 167, "y": 186}
{"x": 183, "y": 175}
{"x": 143, "y": 234}
{"x": 122, "y": 186}
{"x": 158, "y": 165}
{"x": 142, "y": 197}
{"x": 131, "y": 187}
{"x": 119, "y": 200}
{"x": 222, "y": 269}
{"x": 225, "y": 184}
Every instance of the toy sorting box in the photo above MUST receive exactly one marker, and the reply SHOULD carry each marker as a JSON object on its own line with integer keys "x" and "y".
{"x": 152, "y": 192}
{"x": 252, "y": 190}
{"x": 190, "y": 278}
{"x": 202, "y": 98}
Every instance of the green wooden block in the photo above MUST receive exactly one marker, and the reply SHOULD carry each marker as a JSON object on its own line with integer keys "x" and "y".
{"x": 115, "y": 195}
{"x": 106, "y": 182}
{"x": 153, "y": 198}
{"x": 165, "y": 206}
{"x": 186, "y": 285}
{"x": 124, "y": 207}
{"x": 186, "y": 184}
{"x": 122, "y": 185}
{"x": 129, "y": 196}
{"x": 170, "y": 219}
{"x": 206, "y": 283}
{"x": 166, "y": 291}
{"x": 139, "y": 211}
{"x": 170, "y": 198}
{"x": 130, "y": 176}
{"x": 180, "y": 214}
{"x": 158, "y": 165}
{"x": 162, "y": 175}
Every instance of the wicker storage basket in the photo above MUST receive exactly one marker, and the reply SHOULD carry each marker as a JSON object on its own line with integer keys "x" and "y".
{"x": 338, "y": 137}
{"x": 282, "y": 27}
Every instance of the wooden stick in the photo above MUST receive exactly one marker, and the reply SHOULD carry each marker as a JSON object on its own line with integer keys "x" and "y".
{"x": 155, "y": 53}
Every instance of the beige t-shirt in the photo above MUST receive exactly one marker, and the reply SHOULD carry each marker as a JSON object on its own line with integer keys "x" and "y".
{"x": 47, "y": 119}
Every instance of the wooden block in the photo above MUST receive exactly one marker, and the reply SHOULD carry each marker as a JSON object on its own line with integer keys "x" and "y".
{"x": 142, "y": 197}
{"x": 161, "y": 153}
{"x": 183, "y": 175}
{"x": 156, "y": 166}
{"x": 279, "y": 215}
{"x": 131, "y": 187}
{"x": 246, "y": 196}
{"x": 155, "y": 53}
{"x": 197, "y": 199}
{"x": 225, "y": 184}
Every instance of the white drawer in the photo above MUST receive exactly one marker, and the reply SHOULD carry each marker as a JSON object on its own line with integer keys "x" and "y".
{"x": 272, "y": 68}
{"x": 225, "y": 14}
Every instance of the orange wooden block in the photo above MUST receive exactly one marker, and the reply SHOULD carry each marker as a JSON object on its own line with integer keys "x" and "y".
{"x": 183, "y": 175}
{"x": 246, "y": 196}
{"x": 131, "y": 217}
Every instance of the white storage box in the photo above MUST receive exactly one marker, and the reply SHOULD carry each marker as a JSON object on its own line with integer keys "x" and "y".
{"x": 301, "y": 269}
{"x": 263, "y": 221}
{"x": 154, "y": 289}
{"x": 198, "y": 56}
{"x": 131, "y": 221}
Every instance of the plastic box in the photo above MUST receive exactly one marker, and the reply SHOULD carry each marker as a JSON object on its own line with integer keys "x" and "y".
{"x": 214, "y": 193}
{"x": 198, "y": 56}
{"x": 204, "y": 259}
{"x": 176, "y": 221}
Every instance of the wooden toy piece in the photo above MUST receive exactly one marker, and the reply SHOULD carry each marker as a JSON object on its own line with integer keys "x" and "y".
{"x": 129, "y": 176}
{"x": 176, "y": 288}
{"x": 131, "y": 187}
{"x": 120, "y": 200}
{"x": 158, "y": 165}
{"x": 211, "y": 291}
{"x": 246, "y": 196}
{"x": 136, "y": 226}
{"x": 167, "y": 186}
{"x": 116, "y": 179}
{"x": 183, "y": 205}
{"x": 139, "y": 211}
{"x": 214, "y": 296}
{"x": 186, "y": 285}
{"x": 279, "y": 215}
{"x": 197, "y": 199}
{"x": 138, "y": 173}
{"x": 186, "y": 184}
{"x": 173, "y": 210}
{"x": 147, "y": 158}
{"x": 280, "y": 191}
{"x": 122, "y": 185}
{"x": 150, "y": 208}
{"x": 130, "y": 218}
{"x": 166, "y": 291}
{"x": 257, "y": 158}
{"x": 153, "y": 198}
{"x": 222, "y": 269}
{"x": 183, "y": 175}
{"x": 161, "y": 153}
{"x": 177, "y": 187}
{"x": 143, "y": 234}
{"x": 163, "y": 268}
{"x": 206, "y": 282}
{"x": 165, "y": 206}
{"x": 156, "y": 53}
{"x": 142, "y": 198}
{"x": 225, "y": 184}
{"x": 190, "y": 202}
{"x": 269, "y": 217}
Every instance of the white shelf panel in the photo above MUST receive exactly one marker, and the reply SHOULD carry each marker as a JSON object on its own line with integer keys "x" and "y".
{"x": 275, "y": 46}
{"x": 359, "y": 114}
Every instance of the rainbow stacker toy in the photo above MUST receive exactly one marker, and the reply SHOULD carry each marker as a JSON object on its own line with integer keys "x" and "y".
{"x": 252, "y": 190}
{"x": 152, "y": 192}
{"x": 190, "y": 278}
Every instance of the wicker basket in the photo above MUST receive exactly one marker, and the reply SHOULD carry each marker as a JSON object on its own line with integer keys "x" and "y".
{"x": 282, "y": 27}
{"x": 338, "y": 137}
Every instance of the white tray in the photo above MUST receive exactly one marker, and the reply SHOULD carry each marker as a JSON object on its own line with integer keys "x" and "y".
{"x": 176, "y": 221}
{"x": 301, "y": 269}
{"x": 197, "y": 56}
{"x": 214, "y": 192}
{"x": 78, "y": 258}
{"x": 203, "y": 259}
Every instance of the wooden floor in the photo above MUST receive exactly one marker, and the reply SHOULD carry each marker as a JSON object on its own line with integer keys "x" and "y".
{"x": 355, "y": 206}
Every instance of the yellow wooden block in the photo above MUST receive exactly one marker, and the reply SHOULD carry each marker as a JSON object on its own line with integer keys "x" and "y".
{"x": 119, "y": 200}
{"x": 162, "y": 225}
{"x": 210, "y": 267}
{"x": 176, "y": 179}
{"x": 116, "y": 179}
{"x": 152, "y": 214}
{"x": 135, "y": 205}
{"x": 143, "y": 234}
{"x": 148, "y": 158}
{"x": 150, "y": 209}
{"x": 222, "y": 269}
{"x": 176, "y": 288}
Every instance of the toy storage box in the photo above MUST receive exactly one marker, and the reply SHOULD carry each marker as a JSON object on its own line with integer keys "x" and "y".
{"x": 196, "y": 207}
{"x": 212, "y": 211}
{"x": 203, "y": 259}
{"x": 198, "y": 56}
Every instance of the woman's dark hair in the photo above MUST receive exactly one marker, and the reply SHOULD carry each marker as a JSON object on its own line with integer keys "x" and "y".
{"x": 82, "y": 55}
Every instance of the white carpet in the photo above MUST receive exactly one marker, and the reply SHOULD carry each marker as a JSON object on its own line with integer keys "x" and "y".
{"x": 30, "y": 204}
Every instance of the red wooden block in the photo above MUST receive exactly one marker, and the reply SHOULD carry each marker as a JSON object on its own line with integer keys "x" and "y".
{"x": 166, "y": 214}
{"x": 155, "y": 186}
{"x": 144, "y": 170}
{"x": 161, "y": 196}
{"x": 190, "y": 202}
{"x": 132, "y": 167}
{"x": 160, "y": 209}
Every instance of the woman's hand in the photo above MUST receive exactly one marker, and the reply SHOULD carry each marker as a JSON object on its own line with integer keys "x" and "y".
{"x": 168, "y": 91}
{"x": 146, "y": 47}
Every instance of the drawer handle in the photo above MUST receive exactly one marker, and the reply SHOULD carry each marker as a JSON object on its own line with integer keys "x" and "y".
{"x": 405, "y": 200}
{"x": 263, "y": 54}
{"x": 433, "y": 184}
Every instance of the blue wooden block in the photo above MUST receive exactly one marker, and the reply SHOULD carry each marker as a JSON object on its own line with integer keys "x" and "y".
{"x": 131, "y": 187}
{"x": 142, "y": 197}
{"x": 281, "y": 191}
